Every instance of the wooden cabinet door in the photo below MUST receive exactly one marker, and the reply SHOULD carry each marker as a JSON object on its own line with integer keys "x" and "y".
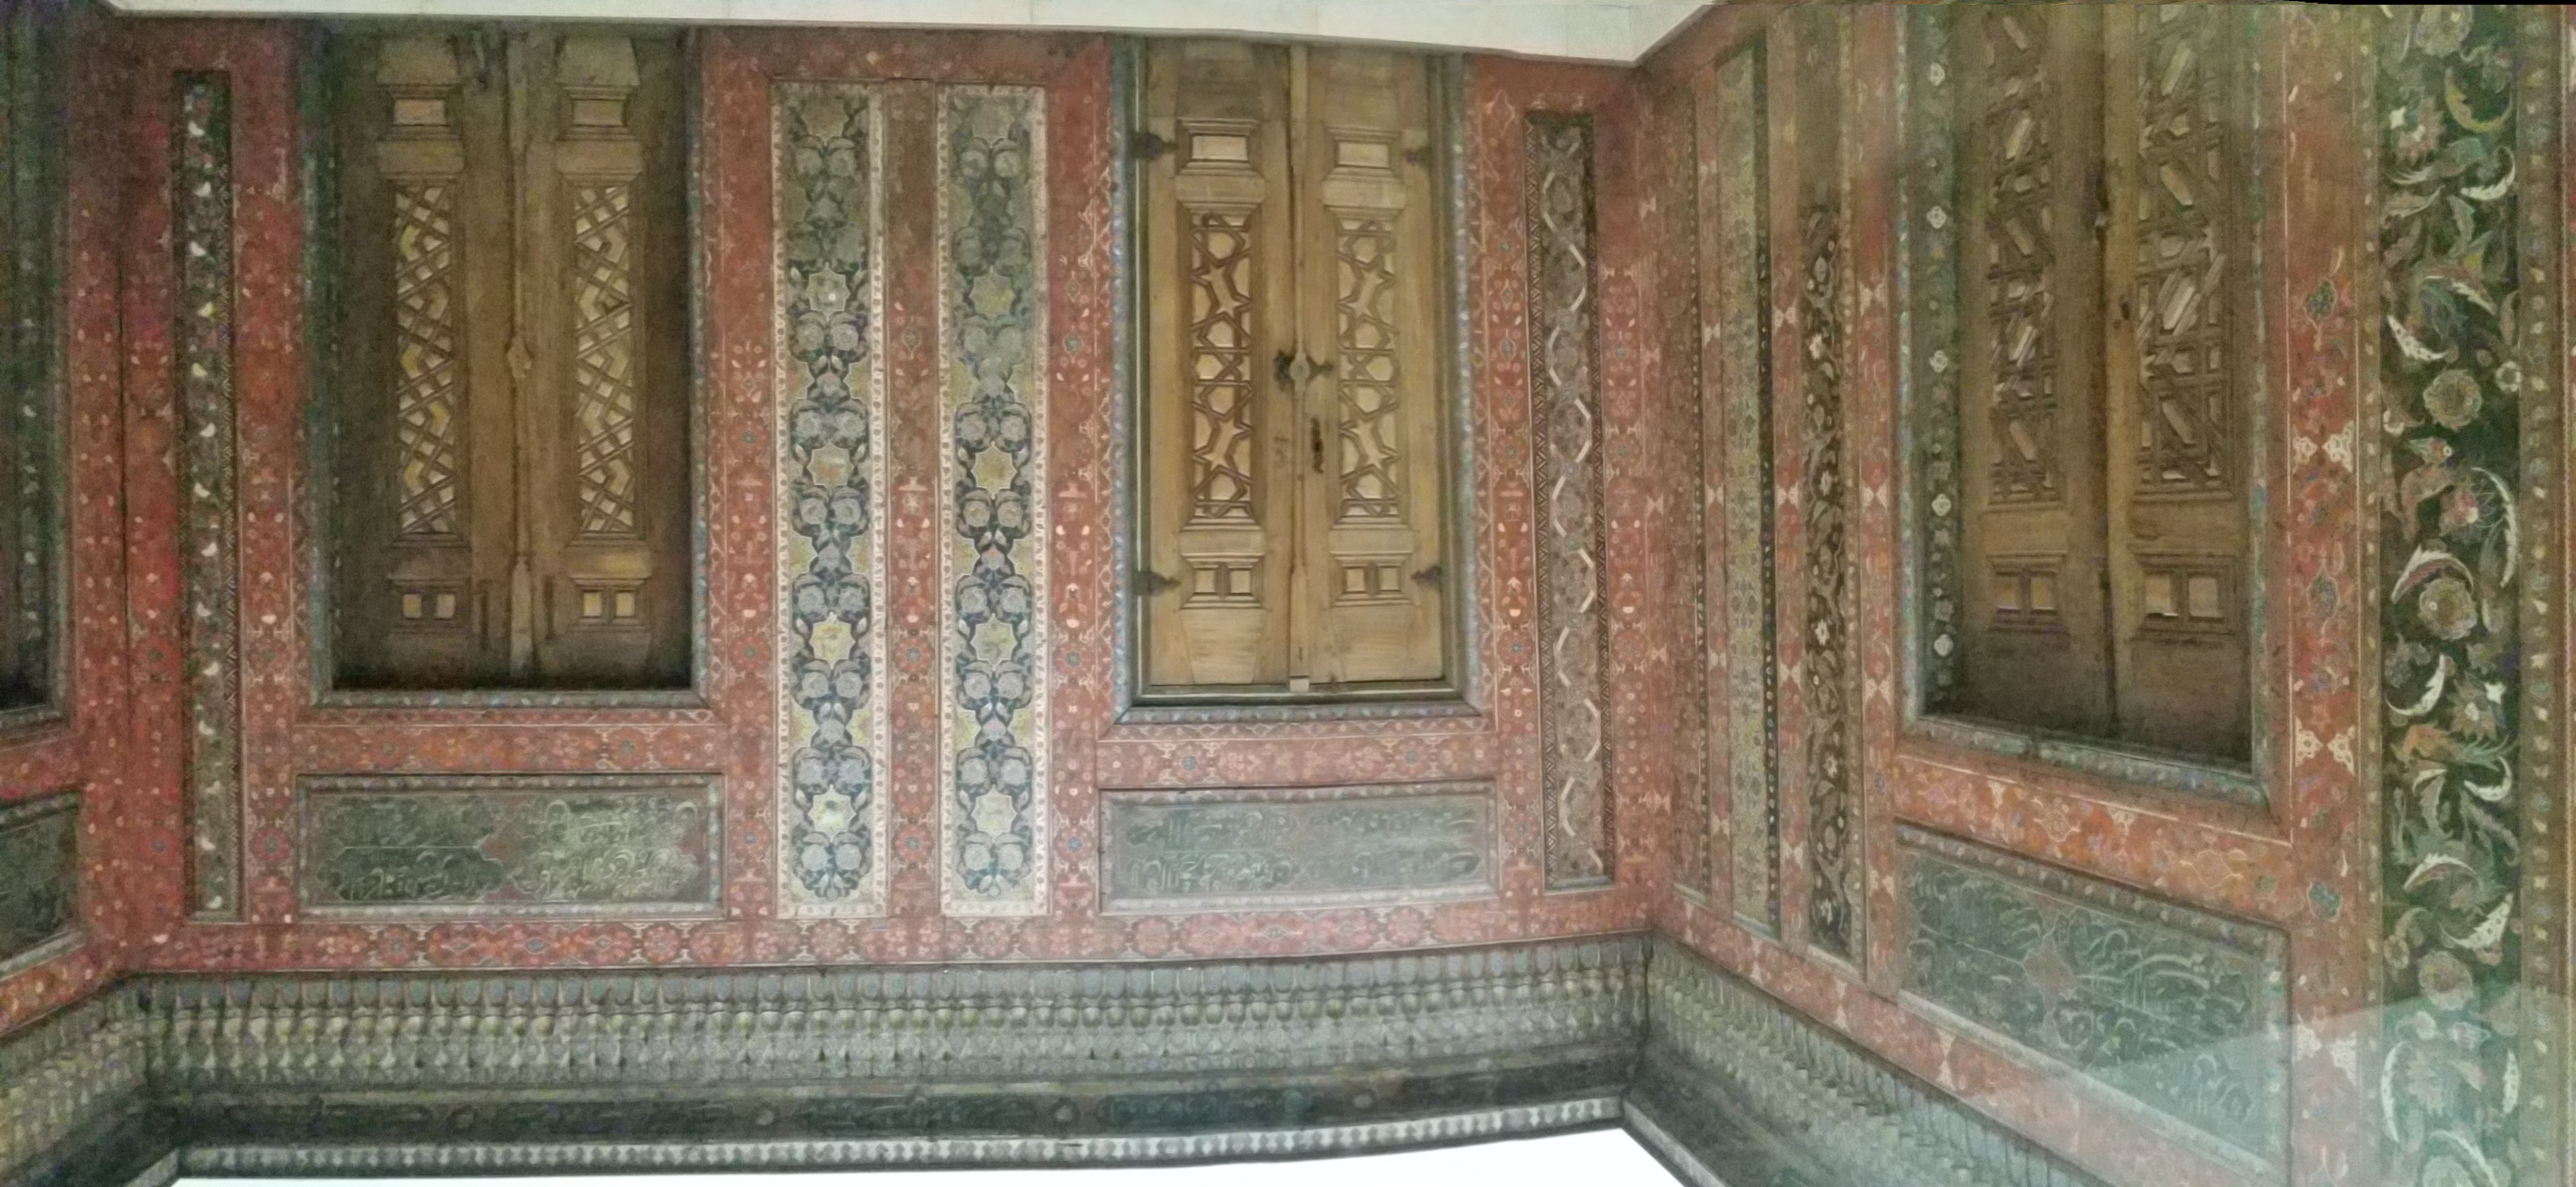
{"x": 426, "y": 500}
{"x": 603, "y": 307}
{"x": 2037, "y": 650}
{"x": 1220, "y": 426}
{"x": 2175, "y": 349}
{"x": 1369, "y": 566}
{"x": 509, "y": 300}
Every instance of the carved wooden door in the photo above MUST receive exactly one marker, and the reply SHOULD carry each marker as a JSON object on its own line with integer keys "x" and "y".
{"x": 1293, "y": 422}
{"x": 2177, "y": 262}
{"x": 2031, "y": 436}
{"x": 2104, "y": 427}
{"x": 511, "y": 317}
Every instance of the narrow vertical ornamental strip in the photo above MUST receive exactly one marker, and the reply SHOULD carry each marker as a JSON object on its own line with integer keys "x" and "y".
{"x": 2455, "y": 370}
{"x": 1833, "y": 825}
{"x": 1932, "y": 307}
{"x": 831, "y": 491}
{"x": 993, "y": 488}
{"x": 1565, "y": 405}
{"x": 202, "y": 210}
{"x": 1741, "y": 320}
{"x": 32, "y": 422}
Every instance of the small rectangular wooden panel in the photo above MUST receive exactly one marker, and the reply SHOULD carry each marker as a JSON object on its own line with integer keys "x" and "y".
{"x": 40, "y": 876}
{"x": 509, "y": 845}
{"x": 1277, "y": 848}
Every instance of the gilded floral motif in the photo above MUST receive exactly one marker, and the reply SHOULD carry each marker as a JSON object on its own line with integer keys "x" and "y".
{"x": 993, "y": 769}
{"x": 831, "y": 492}
{"x": 2453, "y": 571}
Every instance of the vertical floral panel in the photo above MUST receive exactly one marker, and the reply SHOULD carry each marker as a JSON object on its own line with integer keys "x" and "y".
{"x": 2464, "y": 361}
{"x": 992, "y": 309}
{"x": 830, "y": 484}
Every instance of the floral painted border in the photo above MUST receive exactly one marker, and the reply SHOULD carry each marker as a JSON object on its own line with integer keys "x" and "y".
{"x": 2471, "y": 444}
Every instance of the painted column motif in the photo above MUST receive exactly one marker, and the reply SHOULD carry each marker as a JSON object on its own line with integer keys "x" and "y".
{"x": 993, "y": 489}
{"x": 2465, "y": 367}
{"x": 831, "y": 490}
{"x": 202, "y": 206}
{"x": 1564, "y": 398}
{"x": 1833, "y": 825}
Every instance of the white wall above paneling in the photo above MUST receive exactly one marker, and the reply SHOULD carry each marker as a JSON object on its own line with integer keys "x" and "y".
{"x": 1595, "y": 30}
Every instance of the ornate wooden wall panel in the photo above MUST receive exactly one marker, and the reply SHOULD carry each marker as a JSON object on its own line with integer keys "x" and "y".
{"x": 1282, "y": 848}
{"x": 731, "y": 726}
{"x": 40, "y": 877}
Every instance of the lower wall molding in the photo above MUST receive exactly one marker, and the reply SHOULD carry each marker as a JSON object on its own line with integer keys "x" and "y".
{"x": 779, "y": 1069}
{"x": 1755, "y": 1092}
{"x": 880, "y": 1153}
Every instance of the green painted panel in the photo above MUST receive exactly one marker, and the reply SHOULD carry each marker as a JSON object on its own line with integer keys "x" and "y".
{"x": 510, "y": 844}
{"x": 39, "y": 873}
{"x": 1277, "y": 848}
{"x": 2178, "y": 1010}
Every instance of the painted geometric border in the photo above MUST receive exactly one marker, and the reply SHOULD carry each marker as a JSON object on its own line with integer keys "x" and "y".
{"x": 831, "y": 501}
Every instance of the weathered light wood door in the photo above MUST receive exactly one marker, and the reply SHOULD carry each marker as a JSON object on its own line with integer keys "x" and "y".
{"x": 1293, "y": 420}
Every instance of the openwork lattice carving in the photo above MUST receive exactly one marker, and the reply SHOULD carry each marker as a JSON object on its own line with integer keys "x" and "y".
{"x": 1564, "y": 395}
{"x": 428, "y": 396}
{"x": 1364, "y": 317}
{"x": 1221, "y": 387}
{"x": 2179, "y": 301}
{"x": 603, "y": 369}
{"x": 2020, "y": 267}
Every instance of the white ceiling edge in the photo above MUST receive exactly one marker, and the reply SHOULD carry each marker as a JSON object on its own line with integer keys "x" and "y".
{"x": 1591, "y": 30}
